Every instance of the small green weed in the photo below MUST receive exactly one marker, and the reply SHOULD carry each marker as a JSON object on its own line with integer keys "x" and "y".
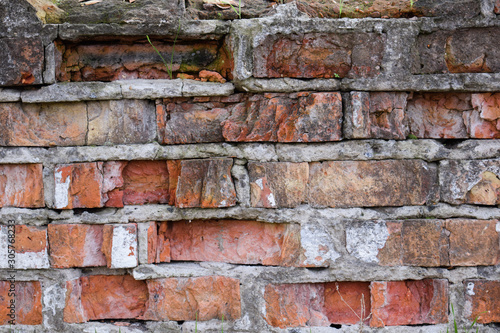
{"x": 171, "y": 66}
{"x": 466, "y": 329}
{"x": 237, "y": 11}
{"x": 341, "y": 6}
{"x": 412, "y": 137}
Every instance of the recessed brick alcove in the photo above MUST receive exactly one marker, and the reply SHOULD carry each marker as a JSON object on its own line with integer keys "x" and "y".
{"x": 290, "y": 171}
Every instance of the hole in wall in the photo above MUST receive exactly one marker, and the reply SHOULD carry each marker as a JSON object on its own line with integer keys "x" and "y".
{"x": 337, "y": 326}
{"x": 180, "y": 322}
{"x": 451, "y": 143}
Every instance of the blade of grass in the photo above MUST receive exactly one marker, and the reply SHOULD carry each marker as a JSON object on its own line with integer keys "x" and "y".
{"x": 236, "y": 11}
{"x": 222, "y": 324}
{"x": 171, "y": 67}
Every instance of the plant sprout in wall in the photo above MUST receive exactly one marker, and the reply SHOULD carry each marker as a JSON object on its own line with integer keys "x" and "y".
{"x": 171, "y": 66}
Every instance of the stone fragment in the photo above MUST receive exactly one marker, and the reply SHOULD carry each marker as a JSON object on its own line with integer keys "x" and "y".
{"x": 73, "y": 92}
{"x": 398, "y": 303}
{"x": 295, "y": 305}
{"x": 377, "y": 115}
{"x": 78, "y": 185}
{"x": 120, "y": 245}
{"x": 21, "y": 185}
{"x": 482, "y": 301}
{"x": 371, "y": 183}
{"x": 120, "y": 122}
{"x": 30, "y": 246}
{"x": 50, "y": 124}
{"x": 202, "y": 298}
{"x": 438, "y": 115}
{"x": 474, "y": 242}
{"x": 150, "y": 89}
{"x": 23, "y": 60}
{"x": 278, "y": 184}
{"x": 232, "y": 241}
{"x": 99, "y": 297}
{"x": 319, "y": 55}
{"x": 205, "y": 183}
{"x": 472, "y": 50}
{"x": 470, "y": 181}
{"x": 76, "y": 245}
{"x": 211, "y": 76}
{"x": 27, "y": 303}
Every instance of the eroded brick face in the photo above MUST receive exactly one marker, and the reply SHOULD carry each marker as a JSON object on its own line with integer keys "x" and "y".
{"x": 409, "y": 302}
{"x": 119, "y": 60}
{"x": 202, "y": 298}
{"x": 458, "y": 51}
{"x": 482, "y": 300}
{"x": 27, "y": 302}
{"x": 21, "y": 185}
{"x": 316, "y": 55}
{"x": 25, "y": 61}
{"x": 30, "y": 244}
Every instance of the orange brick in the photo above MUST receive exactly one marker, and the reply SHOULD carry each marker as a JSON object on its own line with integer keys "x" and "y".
{"x": 28, "y": 302}
{"x": 21, "y": 185}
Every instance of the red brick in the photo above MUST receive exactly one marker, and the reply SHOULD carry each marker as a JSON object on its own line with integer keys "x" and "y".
{"x": 409, "y": 303}
{"x": 379, "y": 115}
{"x": 24, "y": 60}
{"x": 76, "y": 245}
{"x": 79, "y": 185}
{"x": 113, "y": 183}
{"x": 138, "y": 60}
{"x": 371, "y": 183}
{"x": 153, "y": 240}
{"x": 100, "y": 297}
{"x": 278, "y": 184}
{"x": 30, "y": 247}
{"x": 120, "y": 245}
{"x": 317, "y": 55}
{"x": 295, "y": 305}
{"x": 174, "y": 171}
{"x": 438, "y": 115}
{"x": 357, "y": 297}
{"x": 145, "y": 182}
{"x": 482, "y": 299}
{"x": 30, "y": 239}
{"x": 28, "y": 303}
{"x": 233, "y": 241}
{"x": 391, "y": 254}
{"x": 473, "y": 242}
{"x": 201, "y": 298}
{"x": 21, "y": 185}
{"x": 484, "y": 121}
{"x": 425, "y": 243}
{"x": 205, "y": 183}
{"x": 48, "y": 124}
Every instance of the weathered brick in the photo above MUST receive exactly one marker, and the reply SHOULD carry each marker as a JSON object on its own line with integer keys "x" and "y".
{"x": 119, "y": 245}
{"x": 409, "y": 302}
{"x": 378, "y": 115}
{"x": 113, "y": 183}
{"x": 319, "y": 55}
{"x": 371, "y": 183}
{"x": 145, "y": 182}
{"x": 27, "y": 302}
{"x": 278, "y": 184}
{"x": 474, "y": 242}
{"x": 315, "y": 304}
{"x": 201, "y": 298}
{"x": 472, "y": 50}
{"x": 484, "y": 121}
{"x": 428, "y": 243}
{"x": 51, "y": 124}
{"x": 470, "y": 181}
{"x": 76, "y": 245}
{"x": 205, "y": 183}
{"x": 78, "y": 185}
{"x": 134, "y": 59}
{"x": 23, "y": 61}
{"x": 21, "y": 185}
{"x": 121, "y": 122}
{"x": 233, "y": 241}
{"x": 104, "y": 297}
{"x": 30, "y": 247}
{"x": 295, "y": 305}
{"x": 304, "y": 117}
{"x": 482, "y": 300}
{"x": 424, "y": 243}
{"x": 339, "y": 305}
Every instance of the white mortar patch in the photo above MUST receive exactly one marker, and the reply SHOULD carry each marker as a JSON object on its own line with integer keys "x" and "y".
{"x": 271, "y": 200}
{"x": 61, "y": 199}
{"x": 317, "y": 246}
{"x": 497, "y": 228}
{"x": 365, "y": 240}
{"x": 259, "y": 183}
{"x": 124, "y": 247}
{"x": 470, "y": 289}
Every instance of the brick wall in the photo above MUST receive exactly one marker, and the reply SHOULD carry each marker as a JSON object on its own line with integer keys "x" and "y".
{"x": 297, "y": 173}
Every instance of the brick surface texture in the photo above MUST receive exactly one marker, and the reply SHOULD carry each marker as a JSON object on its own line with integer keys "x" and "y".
{"x": 275, "y": 166}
